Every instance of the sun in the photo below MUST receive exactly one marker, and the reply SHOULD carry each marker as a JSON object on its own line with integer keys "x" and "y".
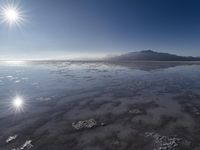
{"x": 11, "y": 14}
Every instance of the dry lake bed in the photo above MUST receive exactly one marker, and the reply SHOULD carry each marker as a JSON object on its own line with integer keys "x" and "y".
{"x": 60, "y": 105}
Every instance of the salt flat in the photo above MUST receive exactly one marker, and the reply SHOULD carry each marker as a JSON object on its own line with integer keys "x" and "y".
{"x": 100, "y": 105}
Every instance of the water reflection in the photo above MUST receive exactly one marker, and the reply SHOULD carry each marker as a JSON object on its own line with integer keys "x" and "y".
{"x": 153, "y": 65}
{"x": 111, "y": 103}
{"x": 18, "y": 103}
{"x": 14, "y": 62}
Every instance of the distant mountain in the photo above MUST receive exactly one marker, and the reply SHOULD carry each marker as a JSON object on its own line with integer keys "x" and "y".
{"x": 149, "y": 55}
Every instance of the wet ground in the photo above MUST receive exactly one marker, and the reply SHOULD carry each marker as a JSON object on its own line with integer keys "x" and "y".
{"x": 100, "y": 106}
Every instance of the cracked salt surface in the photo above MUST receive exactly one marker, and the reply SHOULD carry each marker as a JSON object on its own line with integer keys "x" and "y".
{"x": 11, "y": 138}
{"x": 85, "y": 124}
{"x": 164, "y": 142}
{"x": 26, "y": 146}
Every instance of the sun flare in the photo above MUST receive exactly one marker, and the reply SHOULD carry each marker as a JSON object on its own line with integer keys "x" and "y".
{"x": 11, "y": 14}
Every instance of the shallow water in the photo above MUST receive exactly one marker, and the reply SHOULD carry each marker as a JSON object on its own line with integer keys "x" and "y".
{"x": 138, "y": 105}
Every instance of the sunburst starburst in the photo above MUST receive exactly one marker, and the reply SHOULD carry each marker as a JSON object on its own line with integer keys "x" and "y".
{"x": 18, "y": 104}
{"x": 11, "y": 14}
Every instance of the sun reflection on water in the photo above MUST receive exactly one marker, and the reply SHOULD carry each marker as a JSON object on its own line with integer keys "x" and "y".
{"x": 18, "y": 103}
{"x": 14, "y": 62}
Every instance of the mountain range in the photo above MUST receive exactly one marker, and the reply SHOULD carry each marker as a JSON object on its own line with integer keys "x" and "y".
{"x": 150, "y": 55}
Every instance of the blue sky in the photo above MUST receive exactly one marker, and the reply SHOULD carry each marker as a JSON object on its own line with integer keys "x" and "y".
{"x": 86, "y": 28}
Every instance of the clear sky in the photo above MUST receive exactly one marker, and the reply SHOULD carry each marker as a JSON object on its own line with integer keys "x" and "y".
{"x": 73, "y": 28}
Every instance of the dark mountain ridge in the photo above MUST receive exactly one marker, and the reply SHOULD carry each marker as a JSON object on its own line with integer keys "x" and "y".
{"x": 150, "y": 55}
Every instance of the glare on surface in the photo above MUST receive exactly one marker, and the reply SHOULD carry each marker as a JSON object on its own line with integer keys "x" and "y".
{"x": 14, "y": 62}
{"x": 18, "y": 102}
